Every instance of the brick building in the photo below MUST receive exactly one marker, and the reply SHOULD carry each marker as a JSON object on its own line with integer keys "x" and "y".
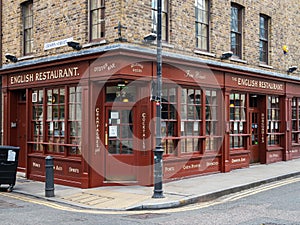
{"x": 78, "y": 75}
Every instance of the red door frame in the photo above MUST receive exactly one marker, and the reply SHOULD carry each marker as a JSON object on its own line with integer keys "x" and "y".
{"x": 119, "y": 168}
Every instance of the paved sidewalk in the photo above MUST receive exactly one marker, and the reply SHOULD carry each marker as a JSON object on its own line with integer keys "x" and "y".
{"x": 177, "y": 193}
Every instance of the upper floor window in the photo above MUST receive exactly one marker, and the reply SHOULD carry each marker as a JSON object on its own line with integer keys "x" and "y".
{"x": 97, "y": 22}
{"x": 27, "y": 16}
{"x": 202, "y": 24}
{"x": 263, "y": 38}
{"x": 164, "y": 22}
{"x": 236, "y": 29}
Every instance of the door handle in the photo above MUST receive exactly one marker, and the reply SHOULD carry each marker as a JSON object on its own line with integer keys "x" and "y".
{"x": 106, "y": 138}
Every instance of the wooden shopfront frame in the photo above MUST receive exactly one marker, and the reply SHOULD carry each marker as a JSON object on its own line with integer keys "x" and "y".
{"x": 94, "y": 75}
{"x": 36, "y": 90}
{"x": 267, "y": 126}
{"x": 194, "y": 152}
{"x": 293, "y": 123}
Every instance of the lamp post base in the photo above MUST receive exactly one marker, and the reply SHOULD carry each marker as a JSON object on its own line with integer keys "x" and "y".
{"x": 158, "y": 194}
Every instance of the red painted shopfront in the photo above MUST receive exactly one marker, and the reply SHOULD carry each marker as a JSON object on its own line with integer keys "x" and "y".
{"x": 95, "y": 115}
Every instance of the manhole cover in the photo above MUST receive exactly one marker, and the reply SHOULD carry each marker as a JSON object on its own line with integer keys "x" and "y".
{"x": 6, "y": 205}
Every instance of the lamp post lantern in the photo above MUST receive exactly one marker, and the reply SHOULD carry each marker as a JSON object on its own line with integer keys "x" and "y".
{"x": 158, "y": 152}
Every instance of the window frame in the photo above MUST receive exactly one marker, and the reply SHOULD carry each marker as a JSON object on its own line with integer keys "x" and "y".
{"x": 169, "y": 119}
{"x": 27, "y": 27}
{"x": 274, "y": 121}
{"x": 264, "y": 23}
{"x": 238, "y": 121}
{"x": 212, "y": 133}
{"x": 236, "y": 32}
{"x": 203, "y": 21}
{"x": 100, "y": 8}
{"x": 185, "y": 110}
{"x": 47, "y": 140}
{"x": 295, "y": 121}
{"x": 165, "y": 19}
{"x": 191, "y": 112}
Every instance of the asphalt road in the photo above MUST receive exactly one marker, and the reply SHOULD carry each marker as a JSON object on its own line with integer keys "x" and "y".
{"x": 272, "y": 204}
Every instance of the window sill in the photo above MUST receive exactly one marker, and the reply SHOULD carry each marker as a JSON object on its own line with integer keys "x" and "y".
{"x": 164, "y": 44}
{"x": 92, "y": 44}
{"x": 238, "y": 151}
{"x": 25, "y": 57}
{"x": 271, "y": 148}
{"x": 199, "y": 52}
{"x": 265, "y": 66}
{"x": 191, "y": 156}
{"x": 238, "y": 60}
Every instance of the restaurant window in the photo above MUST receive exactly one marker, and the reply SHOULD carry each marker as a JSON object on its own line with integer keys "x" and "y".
{"x": 191, "y": 120}
{"x": 60, "y": 134}
{"x": 169, "y": 119}
{"x": 121, "y": 93}
{"x": 238, "y": 132}
{"x": 97, "y": 19}
{"x": 263, "y": 38}
{"x": 164, "y": 22}
{"x": 295, "y": 120}
{"x": 74, "y": 120}
{"x": 236, "y": 29}
{"x": 211, "y": 120}
{"x": 27, "y": 15}
{"x": 37, "y": 119}
{"x": 274, "y": 121}
{"x": 202, "y": 24}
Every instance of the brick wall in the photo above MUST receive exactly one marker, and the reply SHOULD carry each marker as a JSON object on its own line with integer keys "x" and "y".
{"x": 60, "y": 19}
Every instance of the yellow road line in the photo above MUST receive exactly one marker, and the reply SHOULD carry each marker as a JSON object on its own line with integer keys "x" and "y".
{"x": 261, "y": 189}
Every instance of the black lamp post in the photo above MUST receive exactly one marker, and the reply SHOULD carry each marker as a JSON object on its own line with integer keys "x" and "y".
{"x": 158, "y": 152}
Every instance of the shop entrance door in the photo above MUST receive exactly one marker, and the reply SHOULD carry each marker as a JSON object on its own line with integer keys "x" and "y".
{"x": 254, "y": 132}
{"x": 20, "y": 125}
{"x": 120, "y": 155}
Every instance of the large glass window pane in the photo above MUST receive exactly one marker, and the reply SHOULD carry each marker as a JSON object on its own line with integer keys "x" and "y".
{"x": 121, "y": 93}
{"x": 237, "y": 109}
{"x": 274, "y": 121}
{"x": 56, "y": 128}
{"x": 169, "y": 123}
{"x": 37, "y": 120}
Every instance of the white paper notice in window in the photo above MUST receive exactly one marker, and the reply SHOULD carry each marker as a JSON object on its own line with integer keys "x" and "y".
{"x": 113, "y": 131}
{"x": 11, "y": 156}
{"x": 196, "y": 126}
{"x": 114, "y": 115}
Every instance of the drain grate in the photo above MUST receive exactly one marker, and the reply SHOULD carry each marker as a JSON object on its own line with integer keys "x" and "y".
{"x": 146, "y": 215}
{"x": 23, "y": 181}
{"x": 272, "y": 224}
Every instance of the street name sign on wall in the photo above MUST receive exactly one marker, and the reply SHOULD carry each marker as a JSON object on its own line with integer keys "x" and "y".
{"x": 56, "y": 44}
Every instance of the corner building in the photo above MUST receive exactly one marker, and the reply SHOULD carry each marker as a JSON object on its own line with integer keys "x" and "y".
{"x": 78, "y": 83}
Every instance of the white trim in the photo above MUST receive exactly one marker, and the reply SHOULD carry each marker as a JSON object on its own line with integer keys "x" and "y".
{"x": 199, "y": 52}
